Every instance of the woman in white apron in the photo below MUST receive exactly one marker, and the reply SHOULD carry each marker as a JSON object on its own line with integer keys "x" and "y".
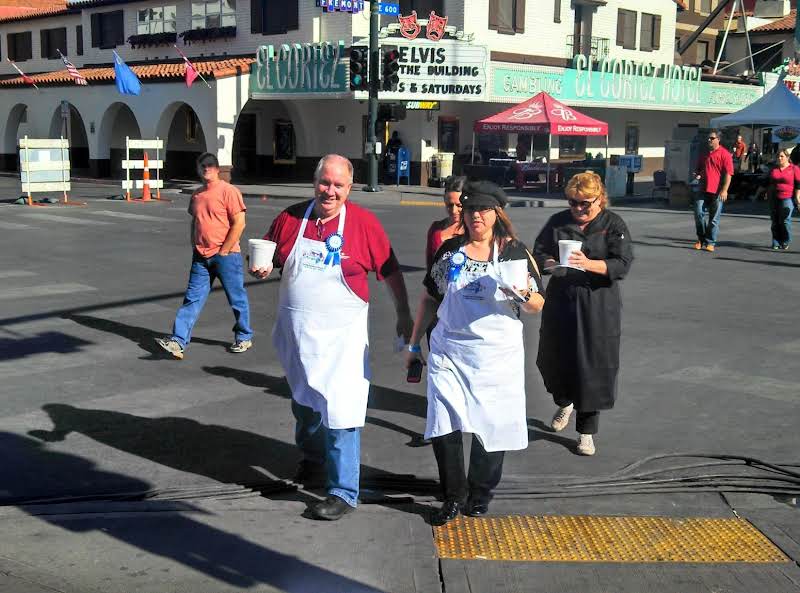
{"x": 478, "y": 285}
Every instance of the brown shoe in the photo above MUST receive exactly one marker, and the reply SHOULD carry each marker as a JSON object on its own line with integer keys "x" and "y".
{"x": 698, "y": 245}
{"x": 709, "y": 248}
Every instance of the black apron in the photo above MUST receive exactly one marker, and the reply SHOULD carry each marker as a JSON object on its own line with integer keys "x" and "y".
{"x": 581, "y": 321}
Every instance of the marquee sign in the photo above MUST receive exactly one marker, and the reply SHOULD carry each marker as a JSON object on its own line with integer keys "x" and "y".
{"x": 298, "y": 69}
{"x": 444, "y": 70}
{"x": 623, "y": 84}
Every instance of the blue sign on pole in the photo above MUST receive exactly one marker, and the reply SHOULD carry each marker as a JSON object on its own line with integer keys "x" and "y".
{"x": 390, "y": 9}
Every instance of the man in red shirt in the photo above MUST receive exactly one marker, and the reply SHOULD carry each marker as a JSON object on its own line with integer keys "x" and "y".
{"x": 218, "y": 219}
{"x": 325, "y": 249}
{"x": 739, "y": 147}
{"x": 714, "y": 171}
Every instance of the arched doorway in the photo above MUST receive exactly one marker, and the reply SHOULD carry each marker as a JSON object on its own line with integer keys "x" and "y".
{"x": 244, "y": 155}
{"x": 17, "y": 116}
{"x": 184, "y": 138}
{"x": 118, "y": 122}
{"x": 71, "y": 127}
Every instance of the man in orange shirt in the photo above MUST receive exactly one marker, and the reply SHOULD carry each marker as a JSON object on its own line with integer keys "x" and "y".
{"x": 218, "y": 220}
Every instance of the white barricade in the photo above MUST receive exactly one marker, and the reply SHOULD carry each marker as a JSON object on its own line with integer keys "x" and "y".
{"x": 44, "y": 166}
{"x": 128, "y": 184}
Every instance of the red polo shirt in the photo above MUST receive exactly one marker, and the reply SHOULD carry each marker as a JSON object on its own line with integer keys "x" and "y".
{"x": 366, "y": 247}
{"x": 785, "y": 181}
{"x": 711, "y": 167}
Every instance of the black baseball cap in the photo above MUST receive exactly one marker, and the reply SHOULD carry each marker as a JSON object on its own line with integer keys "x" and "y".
{"x": 207, "y": 160}
{"x": 483, "y": 194}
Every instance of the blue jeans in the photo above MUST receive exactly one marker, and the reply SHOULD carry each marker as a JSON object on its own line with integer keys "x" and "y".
{"x": 230, "y": 271}
{"x": 337, "y": 448}
{"x": 781, "y": 214}
{"x": 707, "y": 232}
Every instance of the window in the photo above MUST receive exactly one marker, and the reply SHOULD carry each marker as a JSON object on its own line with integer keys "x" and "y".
{"x": 650, "y": 37}
{"x": 631, "y": 138}
{"x": 20, "y": 47}
{"x": 192, "y": 125}
{"x": 79, "y": 40}
{"x": 557, "y": 11}
{"x": 507, "y": 16}
{"x": 215, "y": 13}
{"x": 766, "y": 60}
{"x": 423, "y": 7}
{"x": 703, "y": 51}
{"x": 626, "y": 28}
{"x": 53, "y": 40}
{"x": 108, "y": 30}
{"x": 571, "y": 146}
{"x": 274, "y": 18}
{"x": 160, "y": 19}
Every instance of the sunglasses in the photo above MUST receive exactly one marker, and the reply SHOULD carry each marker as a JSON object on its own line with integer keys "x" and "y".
{"x": 713, "y": 137}
{"x": 583, "y": 204}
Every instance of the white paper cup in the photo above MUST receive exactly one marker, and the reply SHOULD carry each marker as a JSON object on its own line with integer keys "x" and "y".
{"x": 514, "y": 273}
{"x": 261, "y": 252}
{"x": 565, "y": 249}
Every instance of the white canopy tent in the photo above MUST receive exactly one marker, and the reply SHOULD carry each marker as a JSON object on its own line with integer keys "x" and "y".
{"x": 779, "y": 107}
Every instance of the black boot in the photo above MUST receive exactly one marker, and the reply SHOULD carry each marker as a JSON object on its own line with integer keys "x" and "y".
{"x": 310, "y": 474}
{"x": 477, "y": 505}
{"x": 449, "y": 511}
{"x": 330, "y": 509}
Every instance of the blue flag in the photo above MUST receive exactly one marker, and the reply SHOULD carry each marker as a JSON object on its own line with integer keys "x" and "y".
{"x": 127, "y": 82}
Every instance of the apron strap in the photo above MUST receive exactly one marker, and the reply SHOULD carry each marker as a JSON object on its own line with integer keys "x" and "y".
{"x": 303, "y": 225}
{"x": 302, "y": 231}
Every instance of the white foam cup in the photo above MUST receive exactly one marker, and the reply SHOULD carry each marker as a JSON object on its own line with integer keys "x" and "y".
{"x": 565, "y": 249}
{"x": 514, "y": 273}
{"x": 261, "y": 252}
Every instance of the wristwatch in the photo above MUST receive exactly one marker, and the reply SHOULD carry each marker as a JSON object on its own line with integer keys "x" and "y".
{"x": 415, "y": 348}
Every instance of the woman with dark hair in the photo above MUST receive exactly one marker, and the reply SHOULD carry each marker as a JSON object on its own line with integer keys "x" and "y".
{"x": 442, "y": 230}
{"x": 581, "y": 321}
{"x": 478, "y": 285}
{"x": 784, "y": 180}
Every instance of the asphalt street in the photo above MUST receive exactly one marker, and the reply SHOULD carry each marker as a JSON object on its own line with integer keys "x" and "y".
{"x": 125, "y": 471}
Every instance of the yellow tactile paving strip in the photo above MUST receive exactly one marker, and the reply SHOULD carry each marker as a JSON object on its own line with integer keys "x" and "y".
{"x": 604, "y": 539}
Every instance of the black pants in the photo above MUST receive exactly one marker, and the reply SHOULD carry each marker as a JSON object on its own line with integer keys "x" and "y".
{"x": 585, "y": 422}
{"x": 485, "y": 469}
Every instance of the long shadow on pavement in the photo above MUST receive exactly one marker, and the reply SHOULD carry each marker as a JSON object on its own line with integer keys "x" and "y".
{"x": 143, "y": 337}
{"x": 539, "y": 431}
{"x": 29, "y": 466}
{"x": 225, "y": 455}
{"x": 380, "y": 398}
{"x": 51, "y": 341}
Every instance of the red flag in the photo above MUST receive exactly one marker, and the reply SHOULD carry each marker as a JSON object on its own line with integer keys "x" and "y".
{"x": 191, "y": 73}
{"x": 24, "y": 76}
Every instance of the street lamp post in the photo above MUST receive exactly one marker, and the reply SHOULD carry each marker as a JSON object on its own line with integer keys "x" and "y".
{"x": 374, "y": 85}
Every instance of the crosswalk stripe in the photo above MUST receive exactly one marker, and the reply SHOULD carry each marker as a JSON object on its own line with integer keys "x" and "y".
{"x": 15, "y": 274}
{"x": 13, "y": 226}
{"x": 44, "y": 290}
{"x": 64, "y": 219}
{"x": 130, "y": 215}
{"x": 725, "y": 380}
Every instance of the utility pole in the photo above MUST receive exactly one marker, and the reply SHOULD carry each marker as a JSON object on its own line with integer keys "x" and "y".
{"x": 374, "y": 85}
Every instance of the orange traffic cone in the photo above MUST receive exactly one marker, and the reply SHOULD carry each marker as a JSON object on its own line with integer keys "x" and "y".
{"x": 146, "y": 179}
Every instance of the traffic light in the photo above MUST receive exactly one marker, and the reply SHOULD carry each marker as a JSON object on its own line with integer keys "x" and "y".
{"x": 359, "y": 68}
{"x": 391, "y": 66}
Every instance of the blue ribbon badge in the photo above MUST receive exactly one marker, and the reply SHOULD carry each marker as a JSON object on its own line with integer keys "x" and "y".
{"x": 457, "y": 261}
{"x": 334, "y": 245}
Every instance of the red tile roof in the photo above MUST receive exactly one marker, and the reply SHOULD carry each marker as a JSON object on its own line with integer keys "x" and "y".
{"x": 164, "y": 71}
{"x": 779, "y": 25}
{"x": 21, "y": 10}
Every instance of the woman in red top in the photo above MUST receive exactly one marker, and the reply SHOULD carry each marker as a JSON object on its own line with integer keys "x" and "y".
{"x": 446, "y": 228}
{"x": 785, "y": 193}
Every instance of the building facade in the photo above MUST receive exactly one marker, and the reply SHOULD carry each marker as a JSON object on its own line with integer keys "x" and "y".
{"x": 278, "y": 96}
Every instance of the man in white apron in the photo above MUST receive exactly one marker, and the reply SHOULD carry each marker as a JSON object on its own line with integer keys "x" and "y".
{"x": 326, "y": 249}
